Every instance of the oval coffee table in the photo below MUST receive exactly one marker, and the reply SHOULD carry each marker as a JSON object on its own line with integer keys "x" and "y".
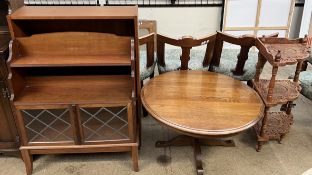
{"x": 203, "y": 106}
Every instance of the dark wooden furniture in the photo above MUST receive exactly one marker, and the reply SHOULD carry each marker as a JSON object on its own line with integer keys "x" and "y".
{"x": 8, "y": 134}
{"x": 278, "y": 52}
{"x": 201, "y": 104}
{"x": 74, "y": 80}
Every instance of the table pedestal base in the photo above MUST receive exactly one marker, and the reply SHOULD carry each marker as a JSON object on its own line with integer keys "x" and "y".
{"x": 183, "y": 140}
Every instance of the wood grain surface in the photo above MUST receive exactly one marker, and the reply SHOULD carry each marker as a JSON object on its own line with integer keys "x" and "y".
{"x": 202, "y": 104}
{"x": 104, "y": 89}
{"x": 70, "y": 12}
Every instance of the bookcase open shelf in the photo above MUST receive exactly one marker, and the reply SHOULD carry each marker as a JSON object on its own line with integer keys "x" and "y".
{"x": 98, "y": 89}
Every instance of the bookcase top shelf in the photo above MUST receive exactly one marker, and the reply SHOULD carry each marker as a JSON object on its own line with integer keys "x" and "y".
{"x": 95, "y": 89}
{"x": 61, "y": 49}
{"x": 76, "y": 13}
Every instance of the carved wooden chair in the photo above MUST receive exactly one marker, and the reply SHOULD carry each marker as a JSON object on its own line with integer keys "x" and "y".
{"x": 237, "y": 63}
{"x": 184, "y": 58}
{"x": 147, "y": 56}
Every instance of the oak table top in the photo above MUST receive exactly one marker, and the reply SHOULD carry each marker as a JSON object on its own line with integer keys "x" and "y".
{"x": 201, "y": 103}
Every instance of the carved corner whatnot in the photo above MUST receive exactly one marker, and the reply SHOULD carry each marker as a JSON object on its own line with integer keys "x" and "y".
{"x": 278, "y": 52}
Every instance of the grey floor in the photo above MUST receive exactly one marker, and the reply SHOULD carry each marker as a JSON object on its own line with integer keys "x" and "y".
{"x": 292, "y": 157}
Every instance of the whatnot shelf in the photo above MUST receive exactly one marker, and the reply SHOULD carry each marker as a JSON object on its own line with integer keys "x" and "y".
{"x": 284, "y": 91}
{"x": 290, "y": 51}
{"x": 278, "y": 125}
{"x": 101, "y": 89}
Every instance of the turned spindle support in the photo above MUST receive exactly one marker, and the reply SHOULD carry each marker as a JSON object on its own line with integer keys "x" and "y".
{"x": 274, "y": 73}
{"x": 185, "y": 58}
{"x": 186, "y": 51}
{"x": 260, "y": 64}
{"x": 298, "y": 70}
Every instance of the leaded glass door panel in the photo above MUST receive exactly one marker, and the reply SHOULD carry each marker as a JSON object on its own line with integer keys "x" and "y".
{"x": 105, "y": 124}
{"x": 47, "y": 125}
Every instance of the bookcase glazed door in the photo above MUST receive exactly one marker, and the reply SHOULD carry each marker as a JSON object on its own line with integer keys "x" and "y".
{"x": 46, "y": 125}
{"x": 101, "y": 124}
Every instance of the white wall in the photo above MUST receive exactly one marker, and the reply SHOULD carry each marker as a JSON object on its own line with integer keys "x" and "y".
{"x": 197, "y": 21}
{"x": 296, "y": 22}
{"x": 177, "y": 22}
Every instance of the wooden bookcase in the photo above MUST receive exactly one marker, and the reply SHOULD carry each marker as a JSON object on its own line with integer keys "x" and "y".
{"x": 74, "y": 80}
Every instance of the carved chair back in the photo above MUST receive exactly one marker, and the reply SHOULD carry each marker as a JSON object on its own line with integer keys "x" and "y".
{"x": 245, "y": 42}
{"x": 185, "y": 43}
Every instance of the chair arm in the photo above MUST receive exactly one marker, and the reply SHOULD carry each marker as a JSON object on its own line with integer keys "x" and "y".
{"x": 150, "y": 48}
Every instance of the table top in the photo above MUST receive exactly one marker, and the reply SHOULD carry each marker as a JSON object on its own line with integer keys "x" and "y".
{"x": 201, "y": 103}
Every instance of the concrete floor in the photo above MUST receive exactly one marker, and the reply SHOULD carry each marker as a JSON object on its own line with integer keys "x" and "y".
{"x": 292, "y": 157}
